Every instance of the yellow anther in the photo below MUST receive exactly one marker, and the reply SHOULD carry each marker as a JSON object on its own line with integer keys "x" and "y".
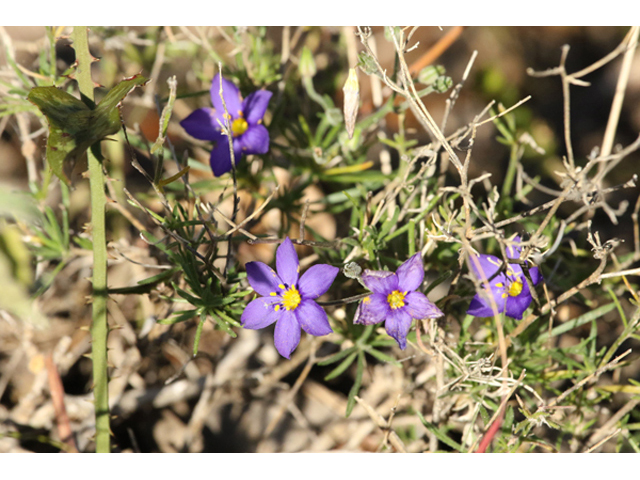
{"x": 291, "y": 299}
{"x": 515, "y": 288}
{"x": 239, "y": 126}
{"x": 396, "y": 299}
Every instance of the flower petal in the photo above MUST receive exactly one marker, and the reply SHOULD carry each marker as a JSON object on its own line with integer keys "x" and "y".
{"x": 312, "y": 318}
{"x": 231, "y": 94}
{"x": 202, "y": 124}
{"x": 255, "y": 141}
{"x": 481, "y": 306}
{"x": 514, "y": 251}
{"x": 262, "y": 278}
{"x": 535, "y": 274}
{"x": 287, "y": 263}
{"x": 397, "y": 325}
{"x": 255, "y": 106}
{"x": 259, "y": 313}
{"x": 372, "y": 309}
{"x": 380, "y": 281}
{"x": 489, "y": 265}
{"x": 419, "y": 306}
{"x": 514, "y": 273}
{"x": 317, "y": 280}
{"x": 220, "y": 159}
{"x": 515, "y": 306}
{"x": 411, "y": 274}
{"x": 287, "y": 334}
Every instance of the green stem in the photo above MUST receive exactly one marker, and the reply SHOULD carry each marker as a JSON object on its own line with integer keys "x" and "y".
{"x": 307, "y": 82}
{"x": 511, "y": 170}
{"x": 99, "y": 326}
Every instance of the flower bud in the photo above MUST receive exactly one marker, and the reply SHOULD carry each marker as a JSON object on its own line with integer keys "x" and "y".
{"x": 428, "y": 75}
{"x": 367, "y": 63}
{"x": 351, "y": 91}
{"x": 352, "y": 270}
{"x": 307, "y": 65}
{"x": 433, "y": 76}
{"x": 442, "y": 84}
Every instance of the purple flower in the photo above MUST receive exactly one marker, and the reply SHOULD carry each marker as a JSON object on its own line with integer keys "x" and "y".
{"x": 395, "y": 299}
{"x": 245, "y": 119}
{"x": 287, "y": 299}
{"x": 509, "y": 289}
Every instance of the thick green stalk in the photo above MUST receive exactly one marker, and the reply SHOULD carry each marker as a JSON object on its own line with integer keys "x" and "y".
{"x": 99, "y": 326}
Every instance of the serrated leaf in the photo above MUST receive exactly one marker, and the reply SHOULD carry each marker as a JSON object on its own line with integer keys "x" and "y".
{"x": 75, "y": 126}
{"x": 67, "y": 118}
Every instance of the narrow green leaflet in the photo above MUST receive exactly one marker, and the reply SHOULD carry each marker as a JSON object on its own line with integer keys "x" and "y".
{"x": 75, "y": 126}
{"x": 578, "y": 322}
{"x": 440, "y": 434}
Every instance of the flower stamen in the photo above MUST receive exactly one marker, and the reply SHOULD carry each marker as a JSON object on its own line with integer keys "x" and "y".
{"x": 291, "y": 298}
{"x": 396, "y": 299}
{"x": 515, "y": 288}
{"x": 239, "y": 126}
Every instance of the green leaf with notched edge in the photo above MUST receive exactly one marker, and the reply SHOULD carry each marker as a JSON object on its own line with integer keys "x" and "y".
{"x": 75, "y": 126}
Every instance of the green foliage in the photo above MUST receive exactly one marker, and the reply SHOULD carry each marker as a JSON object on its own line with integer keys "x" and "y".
{"x": 397, "y": 187}
{"x": 76, "y": 125}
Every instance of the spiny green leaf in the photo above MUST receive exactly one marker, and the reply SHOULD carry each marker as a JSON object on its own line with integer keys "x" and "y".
{"x": 73, "y": 125}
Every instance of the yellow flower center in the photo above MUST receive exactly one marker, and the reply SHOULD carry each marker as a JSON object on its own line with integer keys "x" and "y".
{"x": 239, "y": 126}
{"x": 396, "y": 299}
{"x": 515, "y": 288}
{"x": 291, "y": 299}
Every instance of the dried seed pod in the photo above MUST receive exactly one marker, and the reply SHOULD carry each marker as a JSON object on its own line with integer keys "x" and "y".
{"x": 351, "y": 91}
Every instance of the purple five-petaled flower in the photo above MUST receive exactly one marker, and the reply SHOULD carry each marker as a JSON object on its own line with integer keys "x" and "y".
{"x": 288, "y": 299}
{"x": 245, "y": 120}
{"x": 509, "y": 289}
{"x": 395, "y": 299}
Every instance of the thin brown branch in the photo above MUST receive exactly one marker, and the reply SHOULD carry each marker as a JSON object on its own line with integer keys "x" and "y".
{"x": 57, "y": 397}
{"x": 436, "y": 50}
